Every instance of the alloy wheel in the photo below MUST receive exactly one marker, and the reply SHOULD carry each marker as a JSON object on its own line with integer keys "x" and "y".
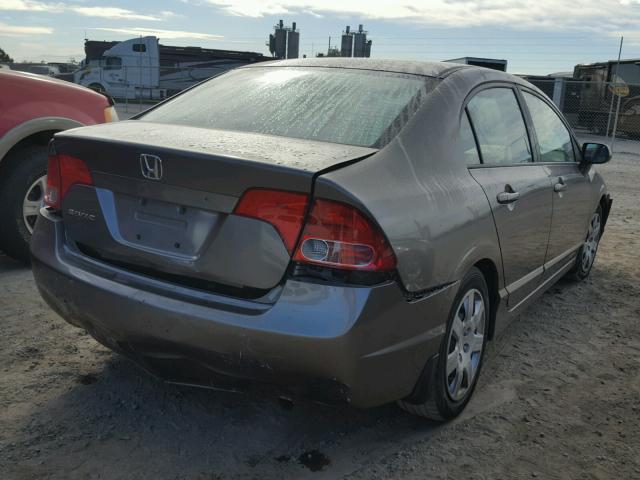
{"x": 33, "y": 202}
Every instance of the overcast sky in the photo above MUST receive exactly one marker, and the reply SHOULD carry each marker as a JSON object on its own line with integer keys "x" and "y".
{"x": 536, "y": 37}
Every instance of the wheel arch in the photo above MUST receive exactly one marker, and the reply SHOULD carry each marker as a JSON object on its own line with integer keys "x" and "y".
{"x": 37, "y": 131}
{"x": 490, "y": 272}
{"x": 101, "y": 88}
{"x": 605, "y": 205}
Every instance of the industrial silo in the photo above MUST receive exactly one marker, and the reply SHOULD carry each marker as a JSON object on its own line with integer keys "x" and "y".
{"x": 346, "y": 49}
{"x": 367, "y": 49}
{"x": 280, "y": 42}
{"x": 285, "y": 41}
{"x": 360, "y": 43}
{"x": 293, "y": 43}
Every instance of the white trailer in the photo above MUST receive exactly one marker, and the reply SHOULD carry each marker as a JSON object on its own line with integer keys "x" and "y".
{"x": 143, "y": 68}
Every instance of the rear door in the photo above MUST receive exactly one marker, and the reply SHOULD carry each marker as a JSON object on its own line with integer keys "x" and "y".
{"x": 518, "y": 190}
{"x": 571, "y": 185}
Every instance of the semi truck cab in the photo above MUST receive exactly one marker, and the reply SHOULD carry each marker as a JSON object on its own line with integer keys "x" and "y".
{"x": 129, "y": 69}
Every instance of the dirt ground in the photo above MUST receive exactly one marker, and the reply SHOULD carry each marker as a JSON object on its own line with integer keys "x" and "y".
{"x": 559, "y": 397}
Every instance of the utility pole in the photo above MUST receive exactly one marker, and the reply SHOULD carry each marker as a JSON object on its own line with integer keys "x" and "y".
{"x": 612, "y": 95}
{"x": 615, "y": 121}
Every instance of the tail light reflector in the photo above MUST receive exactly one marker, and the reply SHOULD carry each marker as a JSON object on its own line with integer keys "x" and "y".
{"x": 64, "y": 171}
{"x": 340, "y": 236}
{"x": 284, "y": 210}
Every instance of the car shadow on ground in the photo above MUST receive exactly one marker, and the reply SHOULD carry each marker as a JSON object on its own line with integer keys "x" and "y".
{"x": 98, "y": 413}
{"x": 115, "y": 407}
{"x": 8, "y": 264}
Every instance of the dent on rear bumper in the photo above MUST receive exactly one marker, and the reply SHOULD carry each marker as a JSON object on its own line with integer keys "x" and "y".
{"x": 369, "y": 340}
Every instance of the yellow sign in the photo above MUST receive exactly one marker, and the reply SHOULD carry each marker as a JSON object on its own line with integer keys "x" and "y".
{"x": 619, "y": 89}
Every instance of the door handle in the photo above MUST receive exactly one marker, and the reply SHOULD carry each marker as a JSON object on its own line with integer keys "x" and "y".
{"x": 508, "y": 197}
{"x": 561, "y": 186}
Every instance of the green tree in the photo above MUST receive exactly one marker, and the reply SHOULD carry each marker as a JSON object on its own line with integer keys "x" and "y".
{"x": 4, "y": 57}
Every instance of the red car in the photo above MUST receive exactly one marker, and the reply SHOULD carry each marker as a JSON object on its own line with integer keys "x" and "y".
{"x": 32, "y": 109}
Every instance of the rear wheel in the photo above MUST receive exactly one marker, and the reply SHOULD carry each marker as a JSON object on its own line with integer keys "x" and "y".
{"x": 21, "y": 196}
{"x": 587, "y": 253}
{"x": 457, "y": 368}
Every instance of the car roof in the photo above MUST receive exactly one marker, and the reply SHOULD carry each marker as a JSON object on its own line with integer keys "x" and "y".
{"x": 411, "y": 67}
{"x": 427, "y": 69}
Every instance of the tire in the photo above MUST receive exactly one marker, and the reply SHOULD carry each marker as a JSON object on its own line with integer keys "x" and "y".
{"x": 24, "y": 169}
{"x": 442, "y": 403}
{"x": 587, "y": 253}
{"x": 97, "y": 87}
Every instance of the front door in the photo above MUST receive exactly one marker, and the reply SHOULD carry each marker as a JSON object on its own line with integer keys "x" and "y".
{"x": 519, "y": 191}
{"x": 571, "y": 185}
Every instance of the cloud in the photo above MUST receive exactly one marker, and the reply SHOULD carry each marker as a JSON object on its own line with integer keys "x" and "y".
{"x": 250, "y": 8}
{"x": 15, "y": 31}
{"x": 587, "y": 15}
{"x": 169, "y": 14}
{"x": 113, "y": 13}
{"x": 29, "y": 6}
{"x": 165, "y": 34}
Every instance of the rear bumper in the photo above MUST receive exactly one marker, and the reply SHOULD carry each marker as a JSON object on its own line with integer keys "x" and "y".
{"x": 364, "y": 345}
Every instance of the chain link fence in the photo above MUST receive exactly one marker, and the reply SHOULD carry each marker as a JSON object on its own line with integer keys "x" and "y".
{"x": 136, "y": 88}
{"x": 598, "y": 109}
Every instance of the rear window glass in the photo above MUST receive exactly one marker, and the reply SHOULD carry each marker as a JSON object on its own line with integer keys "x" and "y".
{"x": 352, "y": 107}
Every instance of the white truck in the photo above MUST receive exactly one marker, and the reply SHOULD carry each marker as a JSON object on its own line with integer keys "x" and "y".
{"x": 143, "y": 68}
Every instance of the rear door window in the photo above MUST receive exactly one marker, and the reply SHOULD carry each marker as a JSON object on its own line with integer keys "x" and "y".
{"x": 553, "y": 137}
{"x": 499, "y": 126}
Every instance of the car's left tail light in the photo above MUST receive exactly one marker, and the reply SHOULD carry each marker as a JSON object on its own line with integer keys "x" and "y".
{"x": 64, "y": 171}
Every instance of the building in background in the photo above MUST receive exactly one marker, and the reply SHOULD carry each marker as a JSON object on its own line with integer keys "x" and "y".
{"x": 493, "y": 63}
{"x": 284, "y": 42}
{"x": 610, "y": 86}
{"x": 562, "y": 90}
{"x": 346, "y": 49}
{"x": 355, "y": 44}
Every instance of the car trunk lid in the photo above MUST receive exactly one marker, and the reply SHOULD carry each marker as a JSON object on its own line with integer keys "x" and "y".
{"x": 163, "y": 199}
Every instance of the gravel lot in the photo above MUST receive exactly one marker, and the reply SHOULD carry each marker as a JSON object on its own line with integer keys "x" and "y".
{"x": 559, "y": 397}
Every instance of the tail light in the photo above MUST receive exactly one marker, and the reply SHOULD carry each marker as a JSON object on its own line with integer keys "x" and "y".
{"x": 338, "y": 235}
{"x": 335, "y": 235}
{"x": 64, "y": 171}
{"x": 284, "y": 210}
{"x": 110, "y": 114}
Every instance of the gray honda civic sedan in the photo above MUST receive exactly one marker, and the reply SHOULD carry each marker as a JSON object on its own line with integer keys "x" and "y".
{"x": 352, "y": 230}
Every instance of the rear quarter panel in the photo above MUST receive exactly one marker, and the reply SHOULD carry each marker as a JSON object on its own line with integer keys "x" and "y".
{"x": 418, "y": 188}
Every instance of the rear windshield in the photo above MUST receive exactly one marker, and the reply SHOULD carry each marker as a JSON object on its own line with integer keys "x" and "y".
{"x": 352, "y": 107}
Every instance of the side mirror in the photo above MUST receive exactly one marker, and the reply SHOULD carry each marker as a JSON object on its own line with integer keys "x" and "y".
{"x": 595, "y": 153}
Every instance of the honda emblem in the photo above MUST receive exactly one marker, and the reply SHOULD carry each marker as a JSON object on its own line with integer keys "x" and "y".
{"x": 151, "y": 166}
